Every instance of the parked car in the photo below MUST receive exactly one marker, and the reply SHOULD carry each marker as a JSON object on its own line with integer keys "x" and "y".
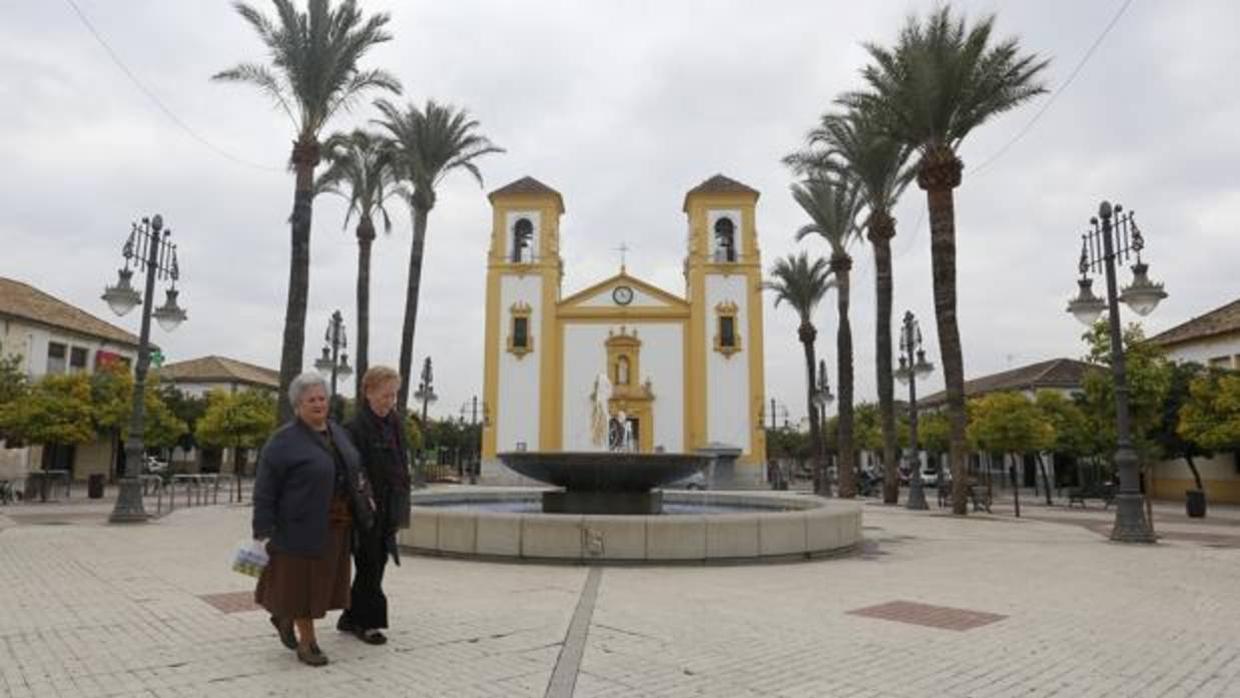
{"x": 696, "y": 481}
{"x": 929, "y": 475}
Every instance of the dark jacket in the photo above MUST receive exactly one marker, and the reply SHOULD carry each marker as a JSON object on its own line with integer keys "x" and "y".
{"x": 294, "y": 486}
{"x": 386, "y": 464}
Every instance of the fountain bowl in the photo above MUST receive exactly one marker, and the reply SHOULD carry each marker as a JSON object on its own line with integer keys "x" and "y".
{"x": 605, "y": 471}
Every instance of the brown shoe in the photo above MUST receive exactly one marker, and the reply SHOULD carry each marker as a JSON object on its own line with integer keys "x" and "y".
{"x": 311, "y": 655}
{"x": 284, "y": 626}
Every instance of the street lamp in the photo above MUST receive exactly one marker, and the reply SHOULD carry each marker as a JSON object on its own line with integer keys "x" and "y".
{"x": 913, "y": 364}
{"x": 426, "y": 391}
{"x": 821, "y": 398}
{"x": 149, "y": 249}
{"x": 1114, "y": 237}
{"x": 332, "y": 362}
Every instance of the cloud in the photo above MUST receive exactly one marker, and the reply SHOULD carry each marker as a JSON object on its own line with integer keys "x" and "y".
{"x": 622, "y": 107}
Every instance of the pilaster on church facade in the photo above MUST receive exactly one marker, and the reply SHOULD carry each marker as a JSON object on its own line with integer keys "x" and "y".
{"x": 685, "y": 371}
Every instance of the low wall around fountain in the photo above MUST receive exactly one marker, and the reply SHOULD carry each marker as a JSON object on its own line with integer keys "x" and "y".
{"x": 765, "y": 526}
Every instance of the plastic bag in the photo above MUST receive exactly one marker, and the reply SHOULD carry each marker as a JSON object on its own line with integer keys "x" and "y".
{"x": 250, "y": 557}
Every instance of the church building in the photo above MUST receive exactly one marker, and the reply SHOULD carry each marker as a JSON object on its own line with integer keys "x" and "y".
{"x": 685, "y": 370}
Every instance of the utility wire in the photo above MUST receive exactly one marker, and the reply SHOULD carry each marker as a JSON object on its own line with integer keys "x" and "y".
{"x": 1059, "y": 90}
{"x": 158, "y": 102}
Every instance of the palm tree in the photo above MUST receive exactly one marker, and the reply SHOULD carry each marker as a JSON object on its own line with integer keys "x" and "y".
{"x": 832, "y": 206}
{"x": 428, "y": 144}
{"x": 803, "y": 284}
{"x": 854, "y": 146}
{"x": 941, "y": 81}
{"x": 361, "y": 164}
{"x": 313, "y": 74}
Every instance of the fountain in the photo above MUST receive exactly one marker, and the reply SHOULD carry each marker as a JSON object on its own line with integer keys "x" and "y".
{"x": 607, "y": 505}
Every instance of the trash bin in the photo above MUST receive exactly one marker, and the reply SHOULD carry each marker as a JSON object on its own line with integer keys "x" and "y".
{"x": 1195, "y": 503}
{"x": 94, "y": 486}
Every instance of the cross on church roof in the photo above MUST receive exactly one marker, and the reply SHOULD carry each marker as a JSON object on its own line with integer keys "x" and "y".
{"x": 622, "y": 249}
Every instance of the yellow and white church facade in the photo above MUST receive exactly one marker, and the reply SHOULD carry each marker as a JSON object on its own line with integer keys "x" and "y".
{"x": 686, "y": 371}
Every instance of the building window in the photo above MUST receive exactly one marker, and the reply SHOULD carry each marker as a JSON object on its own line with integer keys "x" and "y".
{"x": 1220, "y": 362}
{"x": 522, "y": 241}
{"x": 725, "y": 240}
{"x": 77, "y": 359}
{"x": 727, "y": 341}
{"x": 727, "y": 331}
{"x": 56, "y": 353}
{"x": 519, "y": 340}
{"x": 521, "y": 332}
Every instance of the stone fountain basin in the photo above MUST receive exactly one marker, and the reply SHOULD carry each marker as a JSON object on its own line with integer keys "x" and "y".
{"x": 763, "y": 526}
{"x": 601, "y": 471}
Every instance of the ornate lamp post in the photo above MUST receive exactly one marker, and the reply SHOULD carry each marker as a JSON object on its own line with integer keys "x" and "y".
{"x": 149, "y": 249}
{"x": 913, "y": 364}
{"x": 822, "y": 398}
{"x": 425, "y": 393}
{"x": 332, "y": 362}
{"x": 1113, "y": 237}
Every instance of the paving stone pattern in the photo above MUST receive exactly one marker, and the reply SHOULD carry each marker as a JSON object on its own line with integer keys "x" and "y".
{"x": 97, "y": 610}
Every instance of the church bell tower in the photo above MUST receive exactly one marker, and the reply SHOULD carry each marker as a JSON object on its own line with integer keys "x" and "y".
{"x": 524, "y": 270}
{"x": 723, "y": 283}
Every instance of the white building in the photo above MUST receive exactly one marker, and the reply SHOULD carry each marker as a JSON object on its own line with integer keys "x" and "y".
{"x": 686, "y": 370}
{"x": 1063, "y": 375}
{"x": 1211, "y": 339}
{"x": 51, "y": 336}
{"x": 197, "y": 377}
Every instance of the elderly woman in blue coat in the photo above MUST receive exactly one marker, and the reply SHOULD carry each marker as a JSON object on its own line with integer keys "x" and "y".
{"x": 308, "y": 495}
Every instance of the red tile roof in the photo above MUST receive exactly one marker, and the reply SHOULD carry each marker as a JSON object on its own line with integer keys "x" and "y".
{"x": 23, "y": 301}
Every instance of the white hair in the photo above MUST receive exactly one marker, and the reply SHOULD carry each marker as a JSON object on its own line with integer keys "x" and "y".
{"x": 302, "y": 383}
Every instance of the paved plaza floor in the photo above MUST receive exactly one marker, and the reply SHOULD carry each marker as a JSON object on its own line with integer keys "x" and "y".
{"x": 931, "y": 606}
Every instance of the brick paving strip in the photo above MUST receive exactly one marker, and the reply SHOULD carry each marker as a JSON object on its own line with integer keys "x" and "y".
{"x": 232, "y": 602}
{"x": 942, "y": 617}
{"x": 564, "y": 676}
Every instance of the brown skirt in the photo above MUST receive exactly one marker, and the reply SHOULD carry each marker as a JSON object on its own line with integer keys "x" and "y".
{"x": 299, "y": 586}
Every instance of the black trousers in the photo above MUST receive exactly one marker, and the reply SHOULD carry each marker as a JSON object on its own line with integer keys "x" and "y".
{"x": 368, "y": 606}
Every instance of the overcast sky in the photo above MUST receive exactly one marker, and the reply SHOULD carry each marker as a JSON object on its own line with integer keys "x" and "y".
{"x": 622, "y": 107}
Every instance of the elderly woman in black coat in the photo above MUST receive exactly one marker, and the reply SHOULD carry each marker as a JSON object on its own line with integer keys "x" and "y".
{"x": 377, "y": 433}
{"x": 309, "y": 494}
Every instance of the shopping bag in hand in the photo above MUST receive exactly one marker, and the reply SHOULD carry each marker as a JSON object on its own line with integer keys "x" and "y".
{"x": 250, "y": 557}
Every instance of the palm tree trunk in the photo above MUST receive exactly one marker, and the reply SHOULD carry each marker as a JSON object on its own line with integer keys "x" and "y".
{"x": 939, "y": 174}
{"x": 882, "y": 229}
{"x": 305, "y": 158}
{"x": 411, "y": 304}
{"x": 361, "y": 357}
{"x": 807, "y": 334}
{"x": 847, "y": 475}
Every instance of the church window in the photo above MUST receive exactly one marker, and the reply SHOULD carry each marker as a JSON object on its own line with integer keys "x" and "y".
{"x": 727, "y": 331}
{"x": 519, "y": 340}
{"x": 522, "y": 240}
{"x": 727, "y": 341}
{"x": 725, "y": 240}
{"x": 521, "y": 332}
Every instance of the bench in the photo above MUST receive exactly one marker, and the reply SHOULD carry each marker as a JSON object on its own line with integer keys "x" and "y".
{"x": 1106, "y": 493}
{"x": 978, "y": 495}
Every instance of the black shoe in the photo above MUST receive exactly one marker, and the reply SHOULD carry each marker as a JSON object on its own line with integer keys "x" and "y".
{"x": 345, "y": 625}
{"x": 285, "y": 627}
{"x": 311, "y": 655}
{"x": 371, "y": 636}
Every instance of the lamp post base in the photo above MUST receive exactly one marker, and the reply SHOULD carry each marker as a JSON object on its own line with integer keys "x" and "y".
{"x": 916, "y": 496}
{"x": 129, "y": 507}
{"x": 1130, "y": 523}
